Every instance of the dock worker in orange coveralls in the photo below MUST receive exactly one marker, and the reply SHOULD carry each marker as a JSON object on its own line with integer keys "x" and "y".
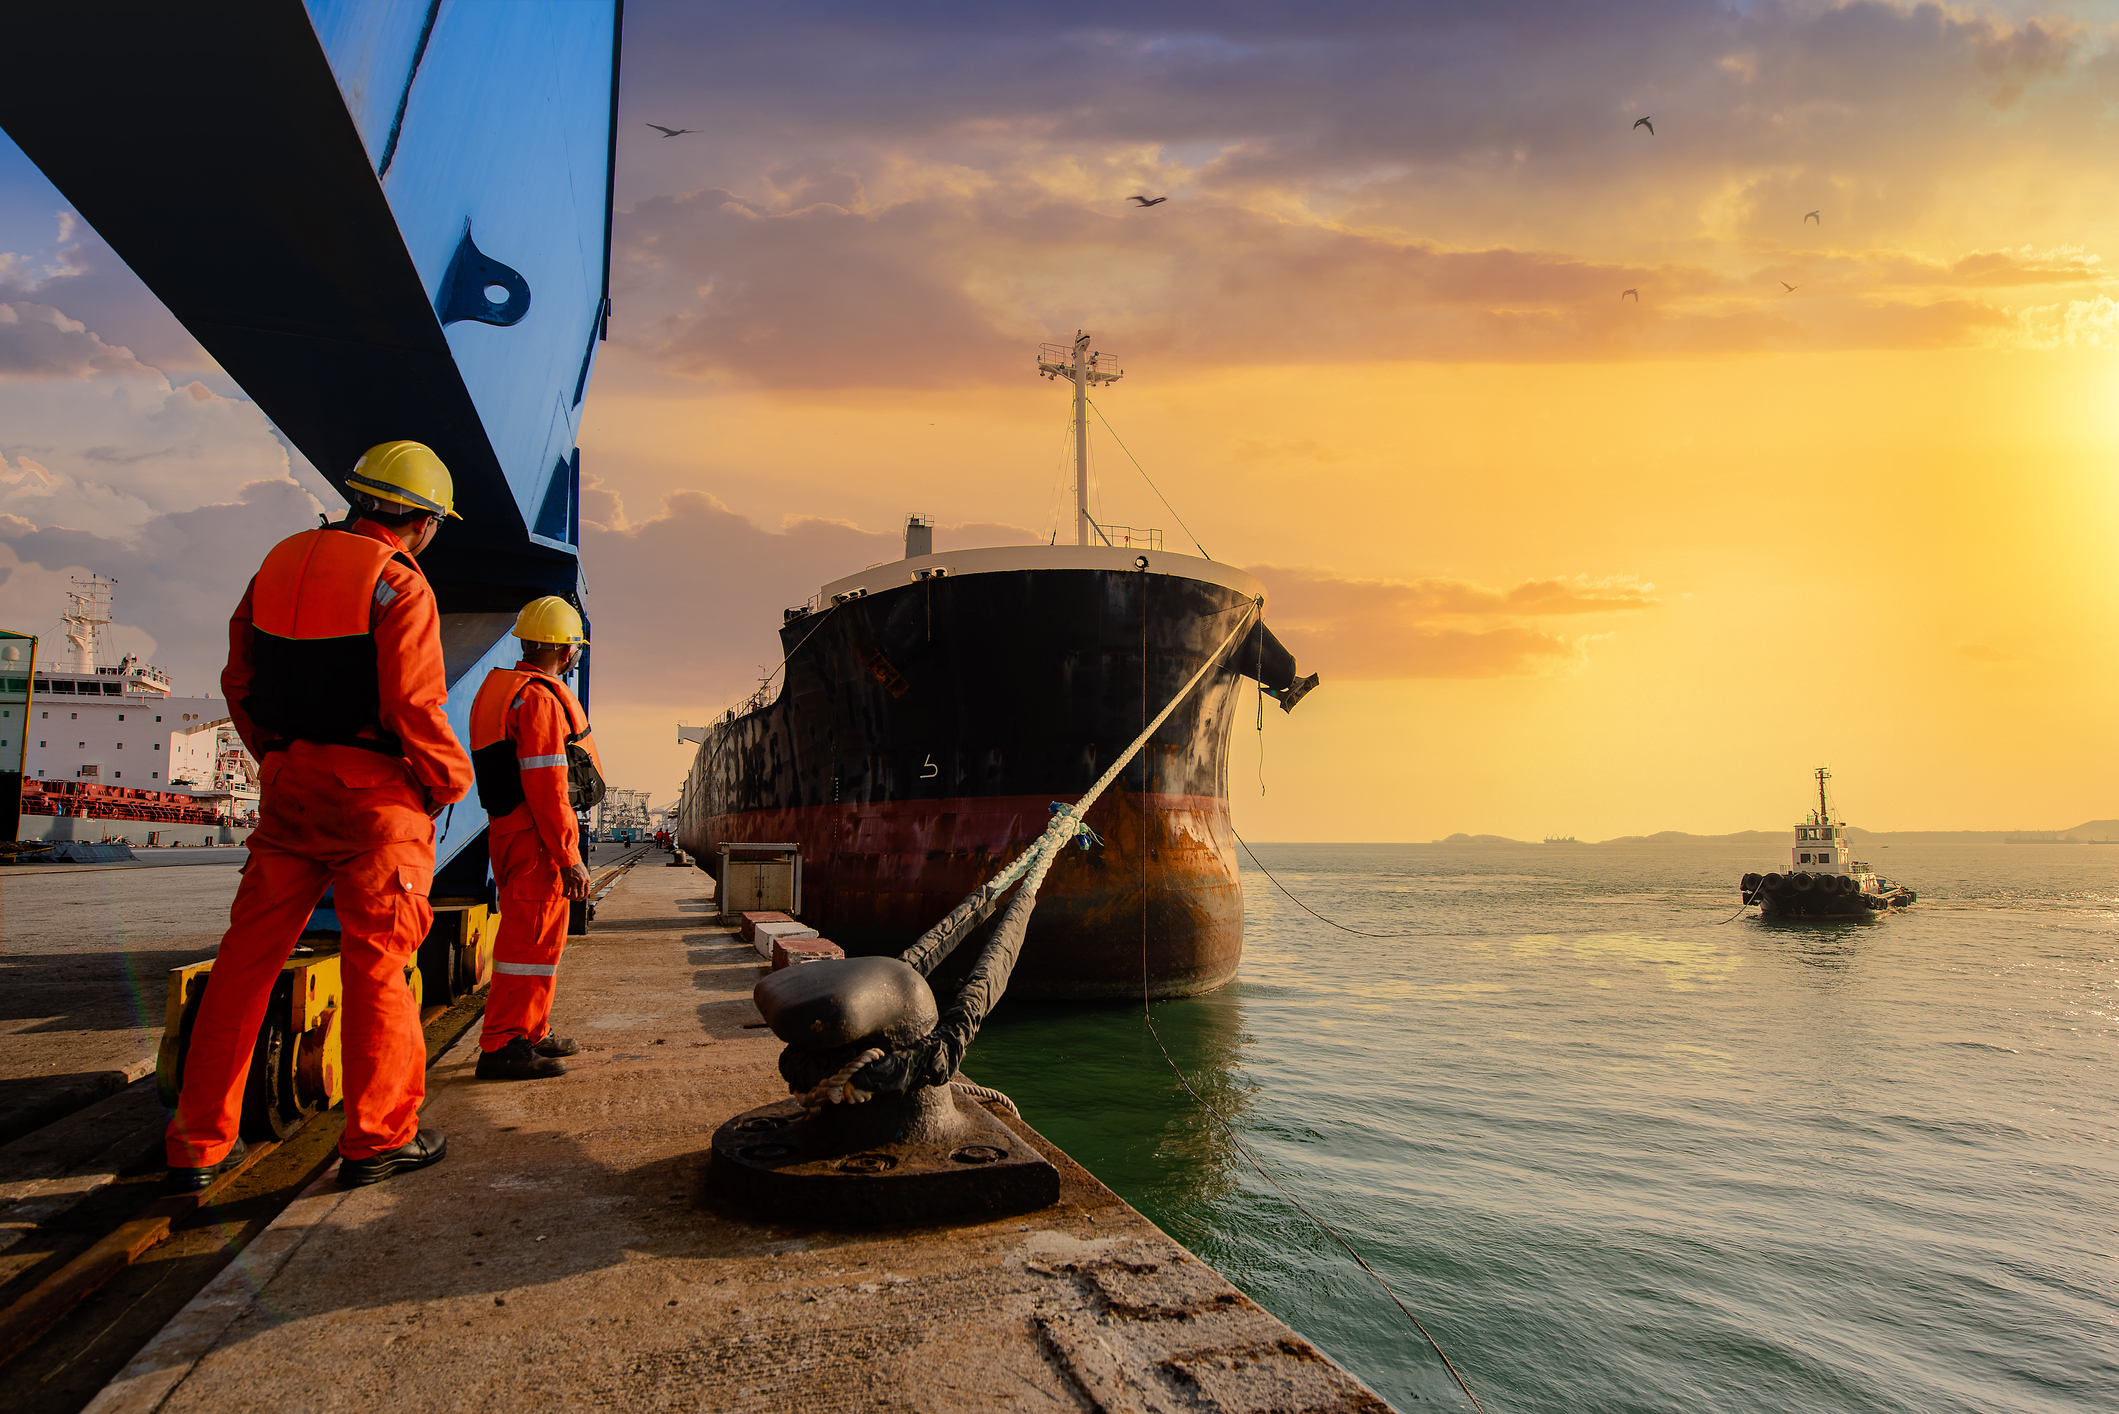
{"x": 537, "y": 766}
{"x": 335, "y": 682}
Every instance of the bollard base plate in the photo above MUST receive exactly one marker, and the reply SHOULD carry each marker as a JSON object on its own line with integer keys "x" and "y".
{"x": 776, "y": 1164}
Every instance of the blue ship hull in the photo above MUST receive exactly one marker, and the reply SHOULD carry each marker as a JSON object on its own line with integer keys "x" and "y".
{"x": 404, "y": 232}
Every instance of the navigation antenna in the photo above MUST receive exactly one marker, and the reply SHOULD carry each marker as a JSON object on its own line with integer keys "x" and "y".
{"x": 87, "y": 612}
{"x": 1080, "y": 367}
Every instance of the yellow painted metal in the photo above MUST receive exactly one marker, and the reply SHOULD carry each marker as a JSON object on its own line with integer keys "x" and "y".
{"x": 467, "y": 930}
{"x": 316, "y": 996}
{"x": 181, "y": 999}
{"x": 313, "y": 1025}
{"x": 483, "y": 926}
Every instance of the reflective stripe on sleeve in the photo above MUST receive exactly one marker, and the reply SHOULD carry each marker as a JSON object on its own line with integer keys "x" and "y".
{"x": 383, "y": 594}
{"x": 527, "y": 969}
{"x": 531, "y": 763}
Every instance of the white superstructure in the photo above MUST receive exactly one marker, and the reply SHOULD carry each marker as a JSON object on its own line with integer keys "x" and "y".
{"x": 118, "y": 725}
{"x": 1821, "y": 845}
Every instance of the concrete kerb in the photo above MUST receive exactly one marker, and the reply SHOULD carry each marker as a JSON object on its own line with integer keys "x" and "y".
{"x": 560, "y": 1257}
{"x": 164, "y": 1362}
{"x": 153, "y": 1375}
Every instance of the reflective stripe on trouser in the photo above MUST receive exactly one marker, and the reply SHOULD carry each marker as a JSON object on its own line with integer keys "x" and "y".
{"x": 379, "y": 893}
{"x": 533, "y": 933}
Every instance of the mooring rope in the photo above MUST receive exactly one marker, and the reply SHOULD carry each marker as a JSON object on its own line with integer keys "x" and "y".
{"x": 984, "y": 1092}
{"x": 934, "y": 945}
{"x": 934, "y": 1059}
{"x": 1235, "y": 1139}
{"x": 1311, "y": 911}
{"x": 1747, "y": 905}
{"x": 838, "y": 1087}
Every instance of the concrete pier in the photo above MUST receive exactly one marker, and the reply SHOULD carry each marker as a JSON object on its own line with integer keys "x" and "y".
{"x": 560, "y": 1258}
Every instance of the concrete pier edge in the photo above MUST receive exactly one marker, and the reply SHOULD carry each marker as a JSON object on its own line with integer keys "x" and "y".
{"x": 547, "y": 1260}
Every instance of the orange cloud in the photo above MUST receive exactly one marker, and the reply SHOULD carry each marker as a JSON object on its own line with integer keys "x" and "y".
{"x": 948, "y": 289}
{"x": 728, "y": 578}
{"x": 1436, "y": 628}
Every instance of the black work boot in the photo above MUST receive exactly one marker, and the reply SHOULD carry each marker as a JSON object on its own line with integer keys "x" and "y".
{"x": 193, "y": 1180}
{"x": 427, "y": 1147}
{"x": 556, "y": 1045}
{"x": 518, "y": 1061}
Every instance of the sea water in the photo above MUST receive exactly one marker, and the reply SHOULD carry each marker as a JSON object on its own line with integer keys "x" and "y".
{"x": 1620, "y": 1154}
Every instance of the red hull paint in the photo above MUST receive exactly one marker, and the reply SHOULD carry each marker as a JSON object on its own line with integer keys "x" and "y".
{"x": 877, "y": 875}
{"x": 924, "y": 729}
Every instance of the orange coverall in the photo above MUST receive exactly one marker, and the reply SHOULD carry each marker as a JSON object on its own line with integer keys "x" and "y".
{"x": 353, "y": 819}
{"x": 531, "y": 844}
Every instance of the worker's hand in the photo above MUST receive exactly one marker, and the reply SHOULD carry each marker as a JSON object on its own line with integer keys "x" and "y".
{"x": 433, "y": 807}
{"x": 574, "y": 881}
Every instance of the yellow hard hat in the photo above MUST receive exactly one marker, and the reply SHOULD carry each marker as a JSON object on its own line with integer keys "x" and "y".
{"x": 407, "y": 474}
{"x": 550, "y": 620}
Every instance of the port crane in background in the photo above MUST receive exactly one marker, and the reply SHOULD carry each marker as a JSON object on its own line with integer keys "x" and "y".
{"x": 622, "y": 815}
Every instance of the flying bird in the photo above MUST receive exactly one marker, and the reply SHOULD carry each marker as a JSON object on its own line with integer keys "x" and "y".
{"x": 1148, "y": 201}
{"x": 1791, "y": 289}
{"x": 1635, "y": 293}
{"x": 1645, "y": 123}
{"x": 672, "y": 132}
{"x": 1813, "y": 216}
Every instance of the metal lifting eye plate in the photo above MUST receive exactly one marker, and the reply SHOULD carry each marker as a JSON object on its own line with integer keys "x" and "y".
{"x": 471, "y": 272}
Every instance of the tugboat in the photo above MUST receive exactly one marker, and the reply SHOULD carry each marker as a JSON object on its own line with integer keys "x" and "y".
{"x": 1824, "y": 880}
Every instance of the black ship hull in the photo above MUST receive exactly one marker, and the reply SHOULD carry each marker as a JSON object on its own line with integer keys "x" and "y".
{"x": 925, "y": 730}
{"x": 1799, "y": 895}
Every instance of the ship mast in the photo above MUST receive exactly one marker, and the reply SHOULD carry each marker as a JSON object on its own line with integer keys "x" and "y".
{"x": 1080, "y": 367}
{"x": 87, "y": 612}
{"x": 1824, "y": 813}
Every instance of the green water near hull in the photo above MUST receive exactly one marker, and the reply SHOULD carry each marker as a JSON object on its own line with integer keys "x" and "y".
{"x": 1619, "y": 1155}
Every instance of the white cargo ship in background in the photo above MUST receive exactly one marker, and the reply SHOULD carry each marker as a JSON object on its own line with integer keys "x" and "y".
{"x": 109, "y": 751}
{"x": 1823, "y": 880}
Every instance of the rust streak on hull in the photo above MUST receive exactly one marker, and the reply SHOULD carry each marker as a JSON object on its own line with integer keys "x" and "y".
{"x": 924, "y": 732}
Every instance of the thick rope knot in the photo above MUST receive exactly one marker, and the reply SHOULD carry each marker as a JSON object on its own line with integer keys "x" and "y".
{"x": 1083, "y": 835}
{"x": 838, "y": 1087}
{"x": 931, "y": 1062}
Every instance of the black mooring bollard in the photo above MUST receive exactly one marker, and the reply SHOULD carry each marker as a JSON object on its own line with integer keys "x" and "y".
{"x": 920, "y": 1158}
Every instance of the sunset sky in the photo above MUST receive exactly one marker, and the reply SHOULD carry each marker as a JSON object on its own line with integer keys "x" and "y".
{"x": 1569, "y": 563}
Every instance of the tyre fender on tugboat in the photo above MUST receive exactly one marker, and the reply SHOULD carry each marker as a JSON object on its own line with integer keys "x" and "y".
{"x": 1801, "y": 883}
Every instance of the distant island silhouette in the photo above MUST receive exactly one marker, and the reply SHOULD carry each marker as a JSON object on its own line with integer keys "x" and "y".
{"x": 2089, "y": 832}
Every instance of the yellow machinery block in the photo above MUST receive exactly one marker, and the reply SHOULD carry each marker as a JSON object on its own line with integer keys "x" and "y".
{"x": 484, "y": 928}
{"x": 297, "y": 1066}
{"x": 457, "y": 957}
